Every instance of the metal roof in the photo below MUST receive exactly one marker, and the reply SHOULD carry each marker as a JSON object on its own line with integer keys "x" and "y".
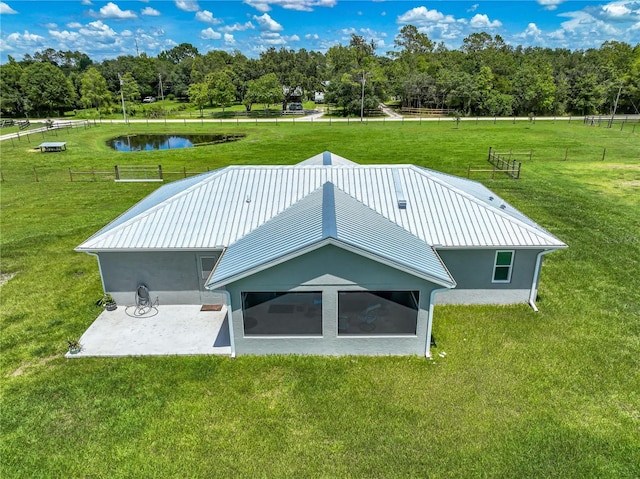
{"x": 215, "y": 210}
{"x": 329, "y": 216}
{"x": 327, "y": 158}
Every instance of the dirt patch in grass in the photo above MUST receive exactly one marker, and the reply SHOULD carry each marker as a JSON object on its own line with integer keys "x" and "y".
{"x": 6, "y": 277}
{"x": 28, "y": 365}
{"x": 630, "y": 183}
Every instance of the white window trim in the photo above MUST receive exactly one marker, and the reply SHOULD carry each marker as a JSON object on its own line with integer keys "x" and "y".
{"x": 496, "y": 266}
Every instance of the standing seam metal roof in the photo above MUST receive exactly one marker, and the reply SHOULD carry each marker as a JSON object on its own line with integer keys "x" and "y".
{"x": 329, "y": 214}
{"x": 216, "y": 209}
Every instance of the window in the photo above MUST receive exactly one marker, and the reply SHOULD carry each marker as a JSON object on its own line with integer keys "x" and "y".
{"x": 282, "y": 313}
{"x": 503, "y": 267}
{"x": 207, "y": 263}
{"x": 377, "y": 312}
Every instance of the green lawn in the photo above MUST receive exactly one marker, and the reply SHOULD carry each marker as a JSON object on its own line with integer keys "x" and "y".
{"x": 518, "y": 394}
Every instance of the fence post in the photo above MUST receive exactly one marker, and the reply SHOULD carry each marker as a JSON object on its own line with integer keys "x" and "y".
{"x": 35, "y": 172}
{"x": 184, "y": 169}
{"x": 160, "y": 171}
{"x": 566, "y": 153}
{"x": 117, "y": 172}
{"x": 70, "y": 175}
{"x": 489, "y": 157}
{"x": 604, "y": 152}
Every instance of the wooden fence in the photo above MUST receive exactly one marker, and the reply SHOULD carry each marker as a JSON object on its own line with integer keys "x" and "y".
{"x": 427, "y": 112}
{"x": 503, "y": 163}
{"x": 128, "y": 174}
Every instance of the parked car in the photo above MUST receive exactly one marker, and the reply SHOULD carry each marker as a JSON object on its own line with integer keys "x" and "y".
{"x": 295, "y": 106}
{"x": 149, "y": 99}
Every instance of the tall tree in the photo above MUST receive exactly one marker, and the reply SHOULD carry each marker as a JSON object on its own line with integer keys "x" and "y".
{"x": 129, "y": 86}
{"x": 199, "y": 95}
{"x": 11, "y": 99}
{"x": 266, "y": 90}
{"x": 222, "y": 91}
{"x": 93, "y": 90}
{"x": 46, "y": 88}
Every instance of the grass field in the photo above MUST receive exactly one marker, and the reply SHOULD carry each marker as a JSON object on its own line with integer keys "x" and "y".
{"x": 518, "y": 394}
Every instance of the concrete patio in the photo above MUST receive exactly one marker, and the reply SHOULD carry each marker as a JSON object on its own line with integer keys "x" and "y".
{"x": 163, "y": 331}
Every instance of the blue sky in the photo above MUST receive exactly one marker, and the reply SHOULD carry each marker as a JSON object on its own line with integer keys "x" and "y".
{"x": 106, "y": 29}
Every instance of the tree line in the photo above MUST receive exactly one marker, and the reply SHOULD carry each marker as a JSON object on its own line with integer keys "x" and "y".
{"x": 484, "y": 77}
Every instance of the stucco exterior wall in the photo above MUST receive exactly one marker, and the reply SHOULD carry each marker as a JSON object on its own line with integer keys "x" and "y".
{"x": 331, "y": 270}
{"x": 473, "y": 271}
{"x": 172, "y": 277}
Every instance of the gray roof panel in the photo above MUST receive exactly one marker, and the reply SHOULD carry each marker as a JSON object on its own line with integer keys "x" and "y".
{"x": 216, "y": 209}
{"x": 329, "y": 215}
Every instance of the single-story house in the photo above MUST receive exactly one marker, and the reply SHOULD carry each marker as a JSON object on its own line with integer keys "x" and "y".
{"x": 326, "y": 256}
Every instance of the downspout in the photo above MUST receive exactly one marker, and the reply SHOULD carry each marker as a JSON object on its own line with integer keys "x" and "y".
{"x": 427, "y": 350}
{"x": 536, "y": 279}
{"x": 230, "y": 319}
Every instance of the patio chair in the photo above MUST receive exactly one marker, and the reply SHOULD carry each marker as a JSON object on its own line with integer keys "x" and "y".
{"x": 369, "y": 316}
{"x": 143, "y": 300}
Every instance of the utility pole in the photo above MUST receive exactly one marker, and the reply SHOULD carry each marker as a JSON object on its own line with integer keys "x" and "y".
{"x": 362, "y": 99}
{"x": 615, "y": 106}
{"x": 124, "y": 111}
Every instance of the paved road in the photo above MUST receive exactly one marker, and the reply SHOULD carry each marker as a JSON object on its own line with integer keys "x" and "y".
{"x": 319, "y": 117}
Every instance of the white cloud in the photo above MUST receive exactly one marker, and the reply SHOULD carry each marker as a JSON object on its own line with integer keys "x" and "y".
{"x": 584, "y": 24}
{"x": 86, "y": 2}
{"x": 422, "y": 16}
{"x": 473, "y": 7}
{"x": 210, "y": 34}
{"x": 22, "y": 42}
{"x": 6, "y": 9}
{"x": 111, "y": 10}
{"x": 550, "y": 4}
{"x": 228, "y": 39}
{"x": 65, "y": 36}
{"x": 50, "y": 26}
{"x": 620, "y": 11}
{"x": 99, "y": 32}
{"x": 74, "y": 25}
{"x": 482, "y": 21}
{"x": 312, "y": 36}
{"x": 237, "y": 27}
{"x": 532, "y": 31}
{"x": 25, "y": 38}
{"x": 437, "y": 25}
{"x": 300, "y": 5}
{"x": 266, "y": 23}
{"x": 275, "y": 39}
{"x": 150, "y": 12}
{"x": 207, "y": 17}
{"x": 188, "y": 5}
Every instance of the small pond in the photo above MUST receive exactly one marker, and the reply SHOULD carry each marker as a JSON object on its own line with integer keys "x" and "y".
{"x": 167, "y": 142}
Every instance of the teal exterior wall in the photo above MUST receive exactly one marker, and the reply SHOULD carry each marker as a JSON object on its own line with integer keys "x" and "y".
{"x": 473, "y": 271}
{"x": 331, "y": 269}
{"x": 171, "y": 276}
